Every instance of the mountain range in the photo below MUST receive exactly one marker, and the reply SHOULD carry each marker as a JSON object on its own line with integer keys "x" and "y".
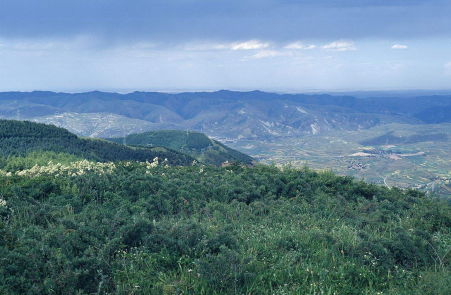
{"x": 221, "y": 114}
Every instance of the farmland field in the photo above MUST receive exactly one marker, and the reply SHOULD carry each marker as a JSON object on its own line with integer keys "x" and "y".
{"x": 392, "y": 155}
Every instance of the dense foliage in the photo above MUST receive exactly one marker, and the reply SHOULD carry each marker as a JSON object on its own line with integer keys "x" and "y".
{"x": 21, "y": 138}
{"x": 155, "y": 229}
{"x": 196, "y": 144}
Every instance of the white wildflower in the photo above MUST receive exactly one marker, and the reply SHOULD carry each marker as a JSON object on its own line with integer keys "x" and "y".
{"x": 153, "y": 164}
{"x": 73, "y": 169}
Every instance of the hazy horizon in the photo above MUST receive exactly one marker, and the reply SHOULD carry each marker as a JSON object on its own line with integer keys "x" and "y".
{"x": 350, "y": 92}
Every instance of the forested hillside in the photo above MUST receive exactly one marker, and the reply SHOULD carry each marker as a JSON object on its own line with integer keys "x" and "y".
{"x": 133, "y": 228}
{"x": 198, "y": 145}
{"x": 21, "y": 138}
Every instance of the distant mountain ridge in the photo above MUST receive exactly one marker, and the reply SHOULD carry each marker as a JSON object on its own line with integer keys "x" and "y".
{"x": 435, "y": 115}
{"x": 198, "y": 145}
{"x": 226, "y": 114}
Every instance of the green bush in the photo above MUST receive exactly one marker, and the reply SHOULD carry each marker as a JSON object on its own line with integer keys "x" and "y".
{"x": 232, "y": 230}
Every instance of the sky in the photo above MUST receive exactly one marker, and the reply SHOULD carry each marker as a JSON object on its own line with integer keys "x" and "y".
{"x": 191, "y": 45}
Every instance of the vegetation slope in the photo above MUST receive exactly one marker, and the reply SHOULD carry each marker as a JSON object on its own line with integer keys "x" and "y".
{"x": 158, "y": 229}
{"x": 21, "y": 138}
{"x": 128, "y": 227}
{"x": 196, "y": 144}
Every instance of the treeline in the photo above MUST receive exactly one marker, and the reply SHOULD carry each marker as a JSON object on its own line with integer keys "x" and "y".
{"x": 196, "y": 144}
{"x": 207, "y": 230}
{"x": 26, "y": 129}
{"x": 175, "y": 139}
{"x": 18, "y": 139}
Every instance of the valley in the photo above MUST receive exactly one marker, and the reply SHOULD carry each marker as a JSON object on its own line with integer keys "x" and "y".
{"x": 408, "y": 164}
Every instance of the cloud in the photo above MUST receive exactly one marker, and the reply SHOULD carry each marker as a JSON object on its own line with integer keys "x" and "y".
{"x": 252, "y": 44}
{"x": 202, "y": 46}
{"x": 448, "y": 65}
{"x": 246, "y": 45}
{"x": 145, "y": 45}
{"x": 266, "y": 54}
{"x": 299, "y": 45}
{"x": 340, "y": 45}
{"x": 179, "y": 21}
{"x": 52, "y": 44}
{"x": 399, "y": 47}
{"x": 30, "y": 45}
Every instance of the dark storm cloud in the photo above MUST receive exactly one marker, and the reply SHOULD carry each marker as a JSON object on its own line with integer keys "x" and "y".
{"x": 183, "y": 20}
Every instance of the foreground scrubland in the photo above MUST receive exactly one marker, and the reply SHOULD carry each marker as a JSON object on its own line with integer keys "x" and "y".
{"x": 150, "y": 228}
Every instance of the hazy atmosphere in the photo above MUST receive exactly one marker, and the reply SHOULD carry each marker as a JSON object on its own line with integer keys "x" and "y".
{"x": 286, "y": 46}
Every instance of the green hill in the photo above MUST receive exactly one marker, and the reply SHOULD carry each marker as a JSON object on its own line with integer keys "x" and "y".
{"x": 196, "y": 144}
{"x": 393, "y": 138}
{"x": 18, "y": 139}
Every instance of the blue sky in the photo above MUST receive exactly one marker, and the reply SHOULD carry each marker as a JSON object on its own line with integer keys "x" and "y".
{"x": 175, "y": 45}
